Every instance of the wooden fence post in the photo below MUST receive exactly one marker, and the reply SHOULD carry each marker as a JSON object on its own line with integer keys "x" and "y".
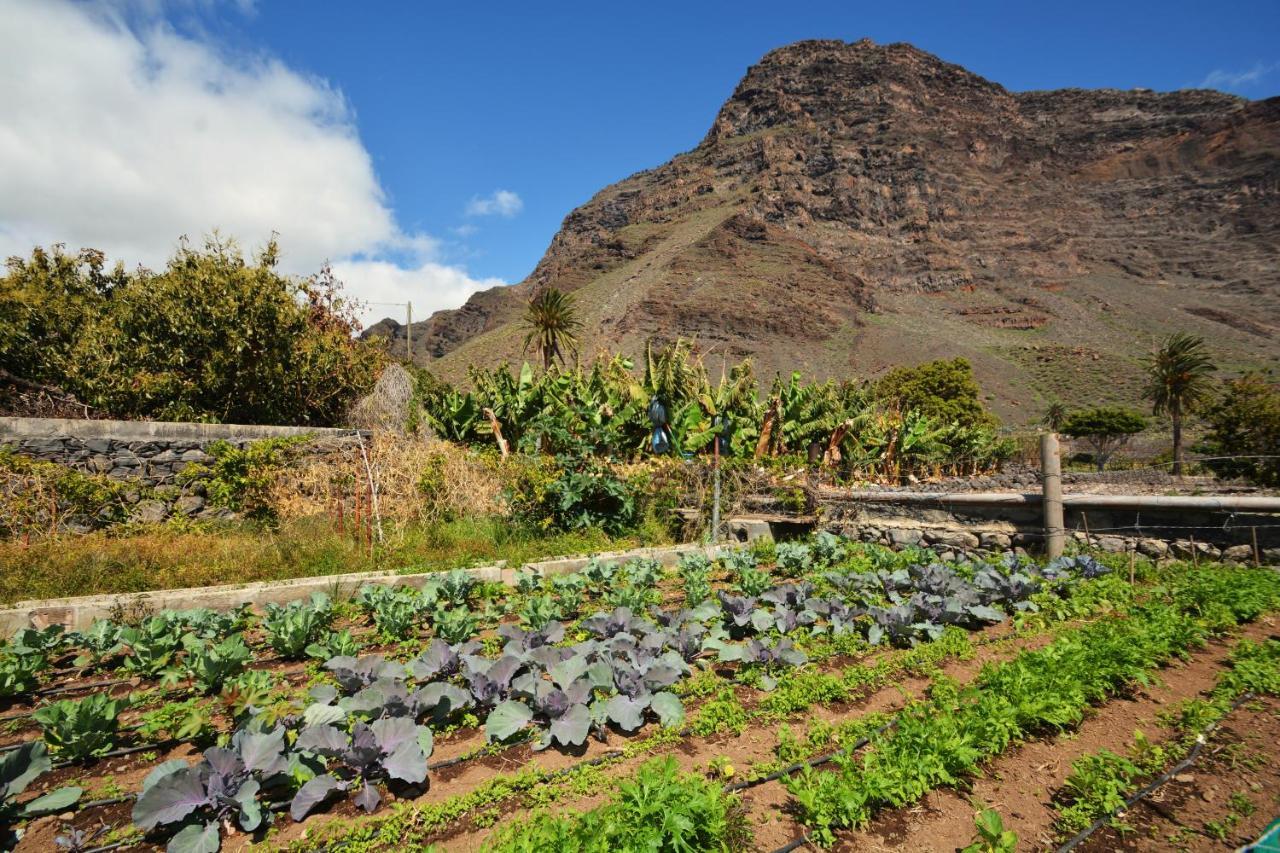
{"x": 1051, "y": 475}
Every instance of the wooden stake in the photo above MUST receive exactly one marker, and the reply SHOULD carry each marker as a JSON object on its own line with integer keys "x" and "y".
{"x": 1195, "y": 553}
{"x": 1133, "y": 554}
{"x": 1257, "y": 555}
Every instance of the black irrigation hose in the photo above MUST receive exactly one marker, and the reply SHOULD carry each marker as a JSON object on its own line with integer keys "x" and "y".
{"x": 71, "y": 688}
{"x": 786, "y": 848}
{"x": 117, "y": 753}
{"x": 1201, "y": 740}
{"x": 812, "y": 762}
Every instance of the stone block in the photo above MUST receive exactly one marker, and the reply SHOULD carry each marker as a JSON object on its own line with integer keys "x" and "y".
{"x": 1238, "y": 554}
{"x": 1154, "y": 548}
{"x": 952, "y": 538}
{"x": 903, "y": 536}
{"x": 150, "y": 512}
{"x": 995, "y": 541}
{"x": 188, "y": 504}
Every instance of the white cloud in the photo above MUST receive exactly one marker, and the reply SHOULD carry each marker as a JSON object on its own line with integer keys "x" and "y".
{"x": 125, "y": 136}
{"x": 500, "y": 202}
{"x": 385, "y": 287}
{"x": 1221, "y": 79}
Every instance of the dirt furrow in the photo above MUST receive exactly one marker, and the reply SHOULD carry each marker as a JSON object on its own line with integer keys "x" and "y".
{"x": 1020, "y": 783}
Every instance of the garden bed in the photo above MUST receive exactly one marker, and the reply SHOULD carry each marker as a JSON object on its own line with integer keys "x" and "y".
{"x": 453, "y": 714}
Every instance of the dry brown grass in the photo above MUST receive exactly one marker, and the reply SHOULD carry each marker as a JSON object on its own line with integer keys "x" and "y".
{"x": 417, "y": 479}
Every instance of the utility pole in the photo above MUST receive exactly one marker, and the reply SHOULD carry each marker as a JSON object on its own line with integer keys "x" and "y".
{"x": 408, "y": 331}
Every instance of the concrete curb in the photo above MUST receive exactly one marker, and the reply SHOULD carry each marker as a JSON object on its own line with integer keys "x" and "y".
{"x": 77, "y": 614}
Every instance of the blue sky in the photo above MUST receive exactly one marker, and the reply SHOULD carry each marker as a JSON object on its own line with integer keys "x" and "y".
{"x": 549, "y": 102}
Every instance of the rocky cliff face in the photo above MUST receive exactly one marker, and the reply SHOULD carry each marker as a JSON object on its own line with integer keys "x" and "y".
{"x": 855, "y": 206}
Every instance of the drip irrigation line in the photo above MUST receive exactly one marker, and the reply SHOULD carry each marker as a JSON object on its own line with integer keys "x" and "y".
{"x": 71, "y": 688}
{"x": 793, "y": 844}
{"x": 117, "y": 753}
{"x": 1201, "y": 740}
{"x": 812, "y": 762}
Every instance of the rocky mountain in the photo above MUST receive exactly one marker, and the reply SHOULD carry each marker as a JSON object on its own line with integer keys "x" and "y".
{"x": 856, "y": 206}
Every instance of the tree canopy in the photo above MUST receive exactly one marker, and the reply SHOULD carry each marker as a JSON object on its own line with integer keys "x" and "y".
{"x": 211, "y": 337}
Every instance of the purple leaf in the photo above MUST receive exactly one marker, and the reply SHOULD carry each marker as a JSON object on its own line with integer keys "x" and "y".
{"x": 406, "y": 763}
{"x": 572, "y": 727}
{"x": 628, "y": 713}
{"x": 312, "y": 794}
{"x": 171, "y": 799}
{"x": 368, "y": 797}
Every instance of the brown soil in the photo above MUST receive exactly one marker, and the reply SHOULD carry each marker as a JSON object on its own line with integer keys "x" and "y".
{"x": 1195, "y": 810}
{"x": 756, "y": 744}
{"x": 1019, "y": 784}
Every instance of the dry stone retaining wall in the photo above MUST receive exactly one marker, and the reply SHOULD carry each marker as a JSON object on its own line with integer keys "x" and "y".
{"x": 148, "y": 453}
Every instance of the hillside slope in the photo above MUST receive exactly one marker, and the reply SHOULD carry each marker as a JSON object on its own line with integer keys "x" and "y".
{"x": 855, "y": 206}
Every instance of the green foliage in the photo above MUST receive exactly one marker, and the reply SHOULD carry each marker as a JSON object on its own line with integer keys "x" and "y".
{"x": 292, "y": 627}
{"x": 80, "y": 729}
{"x": 1096, "y": 786}
{"x": 34, "y": 495}
{"x": 396, "y": 611}
{"x": 1179, "y": 382}
{"x": 942, "y": 390}
{"x": 209, "y": 663}
{"x": 211, "y": 337}
{"x": 1105, "y": 428}
{"x": 943, "y": 740}
{"x": 991, "y": 836}
{"x": 1245, "y": 421}
{"x": 659, "y": 809}
{"x": 602, "y": 410}
{"x": 456, "y": 625}
{"x": 239, "y": 477}
{"x": 189, "y": 720}
{"x": 552, "y": 325}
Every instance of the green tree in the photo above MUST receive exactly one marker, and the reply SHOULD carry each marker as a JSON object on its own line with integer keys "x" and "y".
{"x": 1245, "y": 422}
{"x": 211, "y": 337}
{"x": 1106, "y": 429}
{"x": 552, "y": 325}
{"x": 1055, "y": 415}
{"x": 1178, "y": 383}
{"x": 942, "y": 390}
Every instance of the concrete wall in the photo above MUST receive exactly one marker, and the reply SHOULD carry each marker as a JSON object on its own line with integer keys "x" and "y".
{"x": 148, "y": 453}
{"x": 77, "y": 614}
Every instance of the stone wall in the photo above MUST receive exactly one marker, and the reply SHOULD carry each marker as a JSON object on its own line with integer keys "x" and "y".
{"x": 147, "y": 453}
{"x": 1155, "y": 533}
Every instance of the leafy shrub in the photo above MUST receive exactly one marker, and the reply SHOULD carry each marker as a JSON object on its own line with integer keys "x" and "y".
{"x": 1105, "y": 428}
{"x": 1244, "y": 422}
{"x": 177, "y": 344}
{"x": 239, "y": 478}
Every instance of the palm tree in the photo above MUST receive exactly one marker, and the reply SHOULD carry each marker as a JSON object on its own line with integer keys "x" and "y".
{"x": 1055, "y": 416}
{"x": 552, "y": 325}
{"x": 1178, "y": 375}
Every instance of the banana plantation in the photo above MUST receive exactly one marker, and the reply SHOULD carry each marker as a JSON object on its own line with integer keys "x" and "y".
{"x": 609, "y": 408}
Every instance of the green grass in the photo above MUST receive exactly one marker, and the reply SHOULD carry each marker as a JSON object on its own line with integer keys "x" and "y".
{"x": 169, "y": 557}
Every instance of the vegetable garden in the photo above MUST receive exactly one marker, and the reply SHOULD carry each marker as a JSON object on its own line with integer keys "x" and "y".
{"x": 808, "y": 692}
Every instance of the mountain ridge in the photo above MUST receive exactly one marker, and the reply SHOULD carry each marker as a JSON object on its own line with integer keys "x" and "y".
{"x": 854, "y": 206}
